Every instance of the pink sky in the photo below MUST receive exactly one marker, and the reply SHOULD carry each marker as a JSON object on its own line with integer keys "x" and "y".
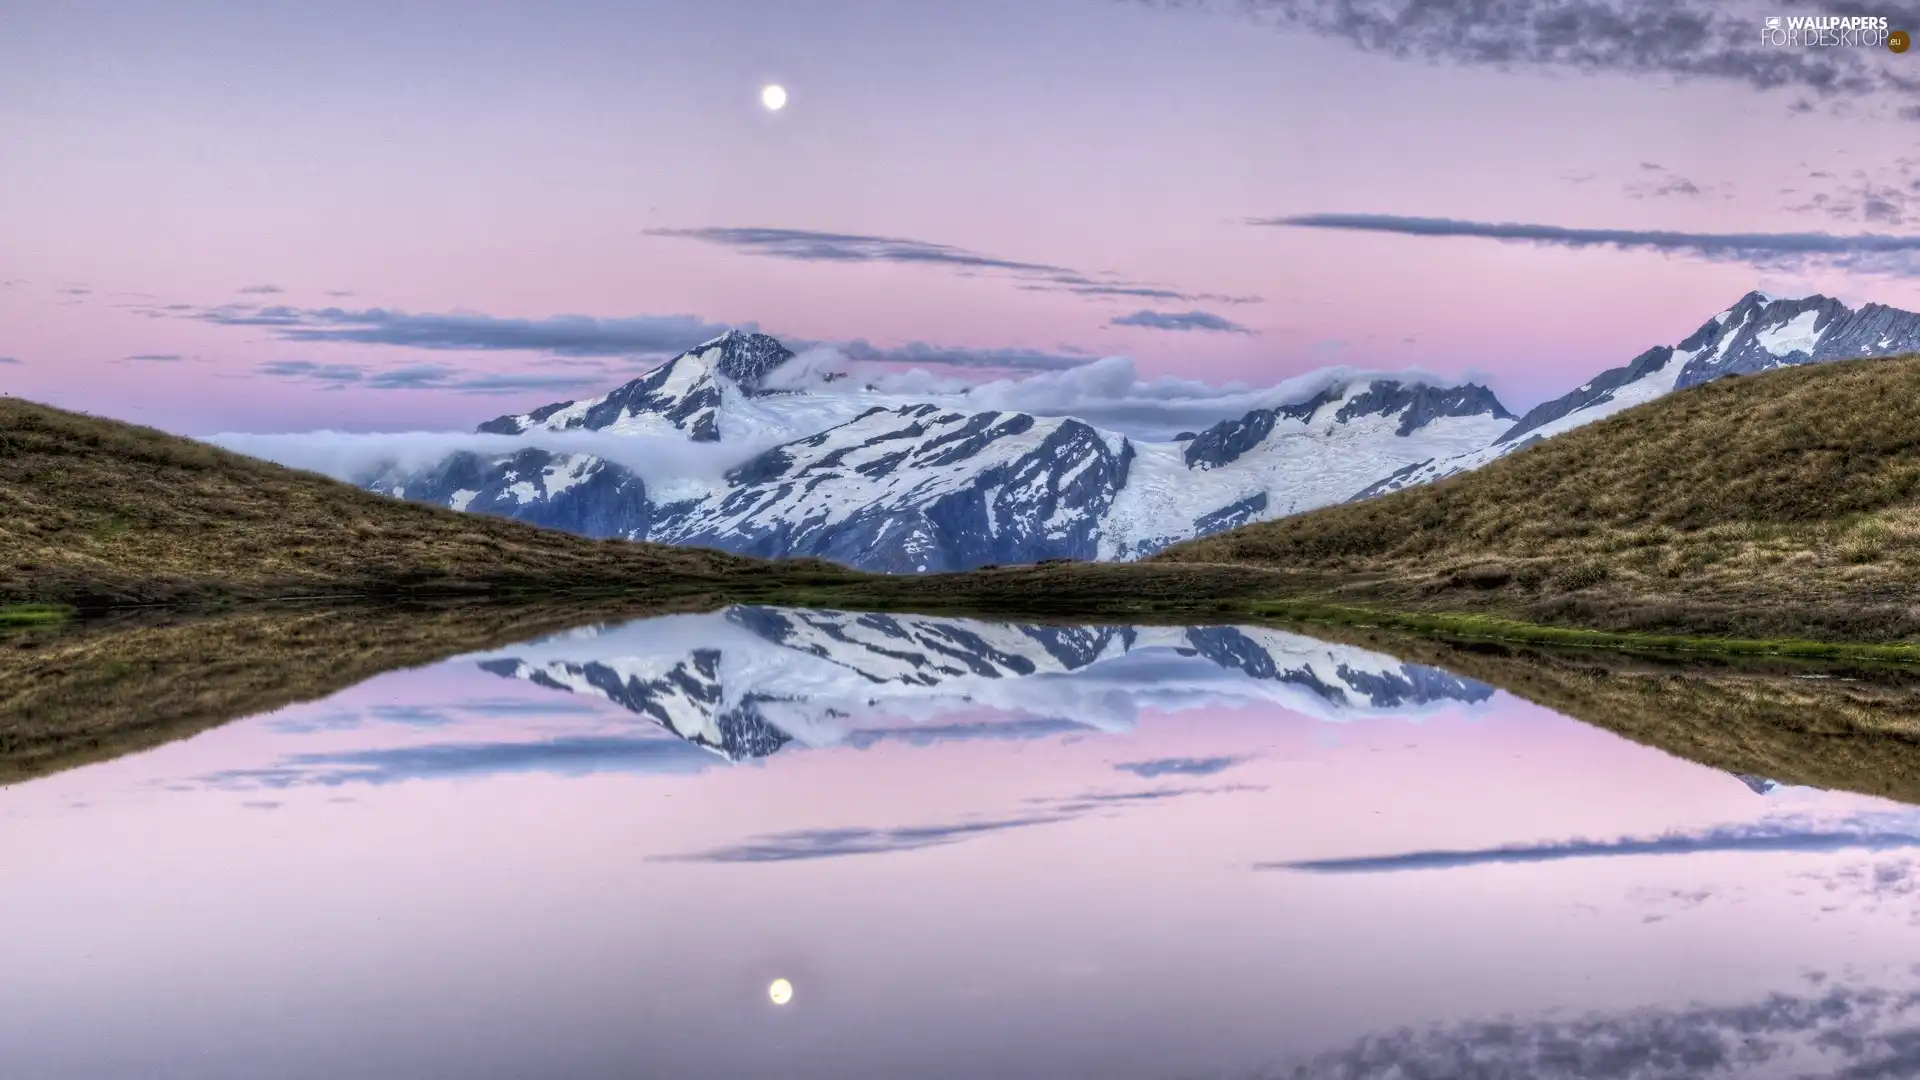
{"x": 494, "y": 159}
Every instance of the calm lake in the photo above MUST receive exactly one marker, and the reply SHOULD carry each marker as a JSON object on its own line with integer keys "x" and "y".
{"x": 969, "y": 849}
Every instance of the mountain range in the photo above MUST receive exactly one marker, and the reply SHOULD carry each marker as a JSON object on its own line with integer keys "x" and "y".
{"x": 747, "y": 681}
{"x": 890, "y": 483}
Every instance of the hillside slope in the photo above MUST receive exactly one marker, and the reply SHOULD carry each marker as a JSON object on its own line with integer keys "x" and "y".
{"x": 97, "y": 512}
{"x": 1781, "y": 503}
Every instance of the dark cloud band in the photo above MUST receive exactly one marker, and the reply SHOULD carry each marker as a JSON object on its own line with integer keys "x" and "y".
{"x": 1684, "y": 39}
{"x": 1184, "y": 321}
{"x": 1845, "y": 836}
{"x": 809, "y": 245}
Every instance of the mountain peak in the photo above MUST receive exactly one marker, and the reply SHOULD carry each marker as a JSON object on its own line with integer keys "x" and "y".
{"x": 685, "y": 393}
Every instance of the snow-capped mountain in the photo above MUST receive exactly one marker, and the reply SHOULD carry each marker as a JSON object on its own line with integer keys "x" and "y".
{"x": 713, "y": 391}
{"x": 579, "y": 493}
{"x": 1759, "y": 333}
{"x": 894, "y": 484}
{"x": 747, "y": 681}
{"x": 920, "y": 488}
{"x": 897, "y": 483}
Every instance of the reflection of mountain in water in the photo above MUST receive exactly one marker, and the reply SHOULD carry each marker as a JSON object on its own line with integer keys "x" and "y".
{"x": 749, "y": 680}
{"x": 684, "y": 698}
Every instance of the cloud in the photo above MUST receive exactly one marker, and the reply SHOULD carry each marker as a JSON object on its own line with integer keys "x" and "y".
{"x": 153, "y": 358}
{"x": 1889, "y": 196}
{"x": 1683, "y": 39}
{"x": 917, "y": 352}
{"x": 356, "y": 458}
{"x": 565, "y": 335}
{"x": 305, "y": 723}
{"x": 1026, "y": 727}
{"x": 809, "y": 245}
{"x": 412, "y": 377}
{"x": 1853, "y": 1031}
{"x": 577, "y": 755}
{"x": 518, "y": 707}
{"x": 260, "y": 290}
{"x": 340, "y": 293}
{"x": 1780, "y": 835}
{"x": 312, "y": 372}
{"x": 1110, "y": 393}
{"x": 1142, "y": 292}
{"x": 1181, "y": 320}
{"x": 1107, "y": 392}
{"x": 11, "y": 360}
{"x": 1664, "y": 184}
{"x": 1180, "y": 766}
{"x": 410, "y": 715}
{"x": 1082, "y": 804}
{"x": 425, "y": 377}
{"x": 572, "y": 337}
{"x": 1874, "y": 888}
{"x": 807, "y": 844}
{"x": 1872, "y": 252}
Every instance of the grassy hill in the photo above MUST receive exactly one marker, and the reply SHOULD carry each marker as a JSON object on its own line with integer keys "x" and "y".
{"x": 95, "y": 512}
{"x": 1782, "y": 504}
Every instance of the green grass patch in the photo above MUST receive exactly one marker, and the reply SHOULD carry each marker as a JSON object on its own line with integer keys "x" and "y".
{"x": 1466, "y": 627}
{"x": 34, "y": 614}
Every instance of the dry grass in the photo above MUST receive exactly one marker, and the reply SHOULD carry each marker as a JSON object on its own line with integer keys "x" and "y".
{"x": 97, "y": 513}
{"x": 1783, "y": 504}
{"x": 1847, "y": 727}
{"x": 101, "y": 689}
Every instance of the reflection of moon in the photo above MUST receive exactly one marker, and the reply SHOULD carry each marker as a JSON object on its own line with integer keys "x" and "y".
{"x": 774, "y": 97}
{"x": 781, "y": 991}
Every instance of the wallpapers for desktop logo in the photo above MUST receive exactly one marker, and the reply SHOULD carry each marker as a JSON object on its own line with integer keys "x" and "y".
{"x": 1860, "y": 31}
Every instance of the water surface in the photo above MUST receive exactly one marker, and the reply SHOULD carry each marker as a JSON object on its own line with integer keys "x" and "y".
{"x": 974, "y": 850}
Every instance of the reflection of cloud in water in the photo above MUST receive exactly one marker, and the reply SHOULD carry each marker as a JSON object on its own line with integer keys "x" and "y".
{"x": 1025, "y": 727}
{"x": 571, "y": 756}
{"x": 1843, "y": 1032}
{"x": 801, "y": 844}
{"x": 1872, "y": 833}
{"x": 837, "y": 842}
{"x": 303, "y": 722}
{"x": 510, "y": 707}
{"x": 1872, "y": 885}
{"x": 1185, "y": 766}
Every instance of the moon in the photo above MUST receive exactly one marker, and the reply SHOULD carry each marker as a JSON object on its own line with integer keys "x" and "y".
{"x": 780, "y": 991}
{"x": 774, "y": 97}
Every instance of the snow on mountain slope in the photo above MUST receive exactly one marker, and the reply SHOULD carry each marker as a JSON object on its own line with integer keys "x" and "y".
{"x": 579, "y": 493}
{"x": 924, "y": 487}
{"x": 712, "y": 391}
{"x": 1762, "y": 333}
{"x": 937, "y": 483}
{"x": 748, "y": 681}
{"x": 1275, "y": 462}
{"x": 1758, "y": 333}
{"x": 919, "y": 488}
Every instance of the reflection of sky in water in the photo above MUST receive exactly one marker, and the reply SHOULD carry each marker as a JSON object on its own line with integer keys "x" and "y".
{"x": 455, "y": 872}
